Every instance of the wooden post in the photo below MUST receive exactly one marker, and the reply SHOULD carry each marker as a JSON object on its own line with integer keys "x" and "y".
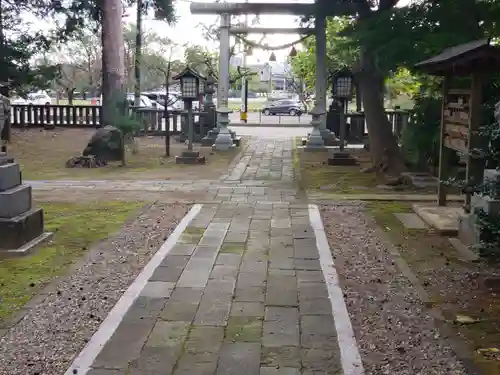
{"x": 443, "y": 151}
{"x": 475, "y": 162}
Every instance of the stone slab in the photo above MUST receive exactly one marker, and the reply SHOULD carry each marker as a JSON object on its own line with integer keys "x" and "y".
{"x": 145, "y": 308}
{"x": 190, "y": 160}
{"x": 464, "y": 251}
{"x": 15, "y": 201}
{"x": 106, "y": 372}
{"x": 281, "y": 333}
{"x": 342, "y": 159}
{"x": 27, "y": 248}
{"x": 10, "y": 176}
{"x": 213, "y": 310}
{"x": 422, "y": 180}
{"x": 239, "y": 359}
{"x": 410, "y": 220}
{"x": 281, "y": 356}
{"x": 279, "y": 371}
{"x": 444, "y": 220}
{"x": 158, "y": 289}
{"x": 117, "y": 355}
{"x": 21, "y": 229}
{"x": 5, "y": 159}
{"x": 182, "y": 304}
{"x": 247, "y": 309}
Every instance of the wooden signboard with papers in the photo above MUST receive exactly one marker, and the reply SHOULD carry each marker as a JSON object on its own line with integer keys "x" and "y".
{"x": 456, "y": 117}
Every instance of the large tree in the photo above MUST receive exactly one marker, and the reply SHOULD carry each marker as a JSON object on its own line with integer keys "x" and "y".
{"x": 109, "y": 13}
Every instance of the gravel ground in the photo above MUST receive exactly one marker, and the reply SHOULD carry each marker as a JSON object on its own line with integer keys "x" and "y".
{"x": 395, "y": 332}
{"x": 54, "y": 331}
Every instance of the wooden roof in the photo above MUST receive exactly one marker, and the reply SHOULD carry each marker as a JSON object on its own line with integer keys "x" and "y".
{"x": 188, "y": 71}
{"x": 464, "y": 59}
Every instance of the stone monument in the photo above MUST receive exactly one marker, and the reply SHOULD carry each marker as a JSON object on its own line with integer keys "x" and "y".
{"x": 488, "y": 200}
{"x": 21, "y": 225}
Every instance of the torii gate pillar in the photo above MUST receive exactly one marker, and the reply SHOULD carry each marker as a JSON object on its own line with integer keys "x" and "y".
{"x": 224, "y": 140}
{"x": 321, "y": 78}
{"x": 321, "y": 86}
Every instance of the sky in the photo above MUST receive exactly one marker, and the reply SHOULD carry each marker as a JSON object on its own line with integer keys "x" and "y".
{"x": 188, "y": 31}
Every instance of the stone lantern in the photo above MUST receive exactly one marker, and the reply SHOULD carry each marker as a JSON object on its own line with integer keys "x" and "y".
{"x": 190, "y": 91}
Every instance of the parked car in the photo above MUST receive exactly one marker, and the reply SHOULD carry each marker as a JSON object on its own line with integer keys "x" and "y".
{"x": 145, "y": 102}
{"x": 285, "y": 106}
{"x": 39, "y": 98}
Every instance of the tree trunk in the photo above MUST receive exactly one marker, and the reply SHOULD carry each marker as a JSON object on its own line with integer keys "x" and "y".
{"x": 112, "y": 61}
{"x": 70, "y": 94}
{"x": 384, "y": 149}
{"x": 138, "y": 55}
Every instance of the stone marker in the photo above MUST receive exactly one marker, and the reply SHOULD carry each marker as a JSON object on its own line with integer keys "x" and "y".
{"x": 21, "y": 225}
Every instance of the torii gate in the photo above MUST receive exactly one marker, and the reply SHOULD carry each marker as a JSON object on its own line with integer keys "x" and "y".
{"x": 320, "y": 134}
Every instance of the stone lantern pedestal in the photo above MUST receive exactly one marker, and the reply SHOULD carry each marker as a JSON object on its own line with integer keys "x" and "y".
{"x": 315, "y": 141}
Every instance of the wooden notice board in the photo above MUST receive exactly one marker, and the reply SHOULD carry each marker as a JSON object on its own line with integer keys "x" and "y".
{"x": 456, "y": 120}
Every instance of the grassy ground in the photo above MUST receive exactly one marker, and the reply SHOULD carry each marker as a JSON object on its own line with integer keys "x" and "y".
{"x": 455, "y": 286}
{"x": 316, "y": 174}
{"x": 76, "y": 228}
{"x": 43, "y": 155}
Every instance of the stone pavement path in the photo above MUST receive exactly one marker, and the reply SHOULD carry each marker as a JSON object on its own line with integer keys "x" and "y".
{"x": 242, "y": 291}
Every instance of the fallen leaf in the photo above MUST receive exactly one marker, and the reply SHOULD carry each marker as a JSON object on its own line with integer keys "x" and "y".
{"x": 491, "y": 350}
{"x": 464, "y": 319}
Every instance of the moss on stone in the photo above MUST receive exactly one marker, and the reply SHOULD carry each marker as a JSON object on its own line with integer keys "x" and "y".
{"x": 233, "y": 248}
{"x": 244, "y": 329}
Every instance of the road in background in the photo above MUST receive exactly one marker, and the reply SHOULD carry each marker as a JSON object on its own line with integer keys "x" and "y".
{"x": 259, "y": 118}
{"x": 272, "y": 132}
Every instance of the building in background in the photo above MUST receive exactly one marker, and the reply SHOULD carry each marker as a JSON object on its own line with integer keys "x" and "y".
{"x": 280, "y": 74}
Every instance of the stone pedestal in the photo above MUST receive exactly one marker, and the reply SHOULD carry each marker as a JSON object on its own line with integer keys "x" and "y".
{"x": 21, "y": 225}
{"x": 315, "y": 141}
{"x": 329, "y": 138}
{"x": 190, "y": 157}
{"x": 210, "y": 138}
{"x": 224, "y": 140}
{"x": 342, "y": 158}
{"x": 468, "y": 233}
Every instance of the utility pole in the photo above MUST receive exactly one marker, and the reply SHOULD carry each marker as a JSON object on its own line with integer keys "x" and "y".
{"x": 138, "y": 55}
{"x": 244, "y": 83}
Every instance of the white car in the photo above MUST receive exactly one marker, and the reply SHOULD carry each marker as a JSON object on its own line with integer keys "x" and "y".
{"x": 39, "y": 98}
{"x": 144, "y": 102}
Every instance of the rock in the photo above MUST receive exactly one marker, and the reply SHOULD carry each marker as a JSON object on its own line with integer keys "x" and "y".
{"x": 105, "y": 144}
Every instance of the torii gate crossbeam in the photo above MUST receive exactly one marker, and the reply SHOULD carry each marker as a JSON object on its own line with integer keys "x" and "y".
{"x": 297, "y": 9}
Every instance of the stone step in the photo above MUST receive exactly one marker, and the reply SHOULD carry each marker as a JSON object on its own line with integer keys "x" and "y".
{"x": 10, "y": 176}
{"x": 18, "y": 231}
{"x": 410, "y": 220}
{"x": 15, "y": 201}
